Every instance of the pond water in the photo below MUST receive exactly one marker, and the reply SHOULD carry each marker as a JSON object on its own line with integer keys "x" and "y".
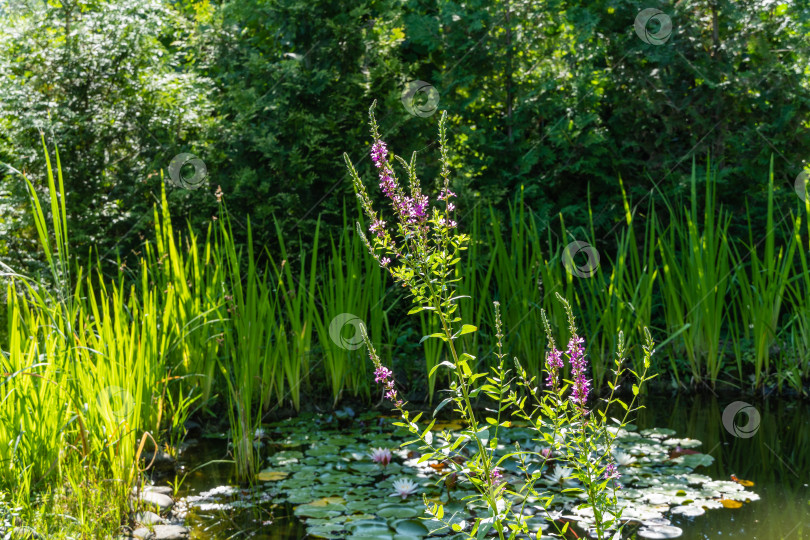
{"x": 775, "y": 457}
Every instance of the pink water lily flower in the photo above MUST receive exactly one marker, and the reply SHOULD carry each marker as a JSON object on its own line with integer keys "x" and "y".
{"x": 381, "y": 456}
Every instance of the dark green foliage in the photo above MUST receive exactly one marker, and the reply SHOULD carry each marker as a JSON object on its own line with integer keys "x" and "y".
{"x": 549, "y": 105}
{"x": 559, "y": 97}
{"x": 113, "y": 84}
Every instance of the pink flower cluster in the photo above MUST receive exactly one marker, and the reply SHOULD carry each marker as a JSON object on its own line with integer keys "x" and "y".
{"x": 611, "y": 471}
{"x": 384, "y": 376}
{"x": 576, "y": 356}
{"x": 412, "y": 209}
{"x": 495, "y": 476}
{"x": 554, "y": 362}
{"x": 445, "y": 195}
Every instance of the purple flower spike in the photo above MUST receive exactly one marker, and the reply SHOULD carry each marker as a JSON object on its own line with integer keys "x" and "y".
{"x": 382, "y": 374}
{"x": 378, "y": 228}
{"x": 379, "y": 154}
{"x": 611, "y": 471}
{"x": 387, "y": 184}
{"x": 554, "y": 362}
{"x": 576, "y": 356}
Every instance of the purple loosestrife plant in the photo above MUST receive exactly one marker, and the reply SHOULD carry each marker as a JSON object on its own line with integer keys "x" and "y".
{"x": 576, "y": 356}
{"x": 421, "y": 249}
{"x": 580, "y": 439}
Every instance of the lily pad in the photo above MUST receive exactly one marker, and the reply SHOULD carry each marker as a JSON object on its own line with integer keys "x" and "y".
{"x": 398, "y": 512}
{"x": 366, "y": 468}
{"x": 688, "y": 510}
{"x": 658, "y": 432}
{"x": 695, "y": 460}
{"x": 410, "y": 527}
{"x": 368, "y": 527}
{"x": 271, "y": 475}
{"x": 319, "y": 511}
{"x": 658, "y": 532}
{"x": 323, "y": 450}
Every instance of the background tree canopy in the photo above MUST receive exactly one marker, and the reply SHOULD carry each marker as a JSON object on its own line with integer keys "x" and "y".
{"x": 561, "y": 98}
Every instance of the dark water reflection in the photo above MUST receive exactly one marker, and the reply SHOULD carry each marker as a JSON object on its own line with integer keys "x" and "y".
{"x": 776, "y": 458}
{"x": 259, "y": 522}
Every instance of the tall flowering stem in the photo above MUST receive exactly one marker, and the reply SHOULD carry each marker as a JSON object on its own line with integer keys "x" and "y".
{"x": 554, "y": 361}
{"x": 579, "y": 439}
{"x": 419, "y": 244}
{"x": 421, "y": 250}
{"x": 581, "y": 387}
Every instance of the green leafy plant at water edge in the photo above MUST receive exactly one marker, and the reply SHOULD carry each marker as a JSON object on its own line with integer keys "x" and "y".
{"x": 422, "y": 254}
{"x": 84, "y": 363}
{"x": 351, "y": 291}
{"x": 762, "y": 285}
{"x": 618, "y": 297}
{"x": 696, "y": 264}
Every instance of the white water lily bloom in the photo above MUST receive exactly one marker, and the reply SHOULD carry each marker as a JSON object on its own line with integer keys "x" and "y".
{"x": 404, "y": 487}
{"x": 560, "y": 436}
{"x": 623, "y": 459}
{"x": 561, "y": 476}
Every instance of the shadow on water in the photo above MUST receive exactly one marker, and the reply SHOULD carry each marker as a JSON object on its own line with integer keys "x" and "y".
{"x": 776, "y": 457}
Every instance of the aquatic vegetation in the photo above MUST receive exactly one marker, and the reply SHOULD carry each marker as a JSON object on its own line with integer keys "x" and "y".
{"x": 562, "y": 476}
{"x": 340, "y": 493}
{"x": 404, "y": 487}
{"x": 381, "y": 456}
{"x": 97, "y": 369}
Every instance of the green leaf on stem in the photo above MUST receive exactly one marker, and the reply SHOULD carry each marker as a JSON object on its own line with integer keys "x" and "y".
{"x": 465, "y": 329}
{"x": 439, "y": 407}
{"x": 436, "y": 335}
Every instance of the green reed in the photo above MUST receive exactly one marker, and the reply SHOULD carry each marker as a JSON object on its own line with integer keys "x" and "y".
{"x": 251, "y": 313}
{"x": 194, "y": 275}
{"x": 351, "y": 293}
{"x": 81, "y": 370}
{"x": 796, "y": 368}
{"x": 761, "y": 286}
{"x": 516, "y": 265}
{"x": 696, "y": 259}
{"x": 298, "y": 305}
{"x": 619, "y": 296}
